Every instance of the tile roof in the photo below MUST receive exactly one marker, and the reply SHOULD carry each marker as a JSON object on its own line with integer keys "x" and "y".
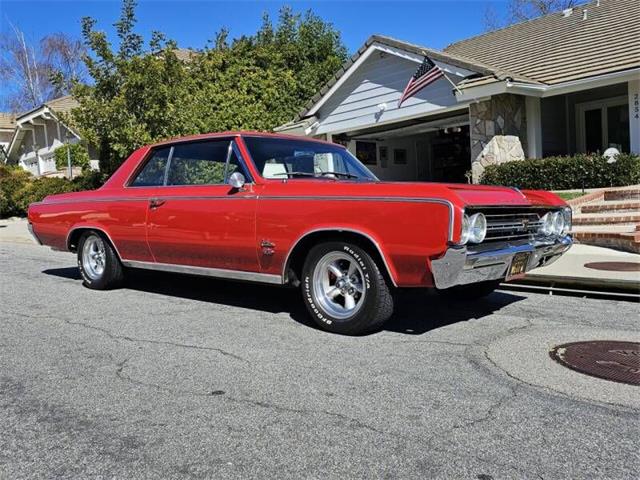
{"x": 184, "y": 54}
{"x": 62, "y": 104}
{"x": 557, "y": 48}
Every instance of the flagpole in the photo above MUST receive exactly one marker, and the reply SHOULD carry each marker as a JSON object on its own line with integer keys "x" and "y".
{"x": 454, "y": 85}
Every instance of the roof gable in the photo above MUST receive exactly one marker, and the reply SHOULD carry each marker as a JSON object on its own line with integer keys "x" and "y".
{"x": 395, "y": 47}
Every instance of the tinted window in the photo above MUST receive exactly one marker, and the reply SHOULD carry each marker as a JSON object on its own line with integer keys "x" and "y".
{"x": 280, "y": 158}
{"x": 201, "y": 163}
{"x": 152, "y": 174}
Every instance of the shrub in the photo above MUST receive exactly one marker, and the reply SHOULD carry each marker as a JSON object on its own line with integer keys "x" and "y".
{"x": 12, "y": 180}
{"x": 565, "y": 173}
{"x": 37, "y": 189}
{"x": 89, "y": 180}
{"x": 79, "y": 156}
{"x": 18, "y": 188}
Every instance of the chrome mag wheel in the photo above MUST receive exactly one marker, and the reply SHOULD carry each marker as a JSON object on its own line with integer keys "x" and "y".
{"x": 93, "y": 257}
{"x": 338, "y": 284}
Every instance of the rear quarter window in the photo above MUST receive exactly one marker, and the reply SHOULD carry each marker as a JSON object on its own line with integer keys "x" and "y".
{"x": 152, "y": 173}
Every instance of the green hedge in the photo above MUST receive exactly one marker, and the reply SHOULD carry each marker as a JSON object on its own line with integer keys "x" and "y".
{"x": 18, "y": 188}
{"x": 565, "y": 173}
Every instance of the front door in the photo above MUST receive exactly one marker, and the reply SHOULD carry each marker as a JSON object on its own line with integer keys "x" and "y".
{"x": 197, "y": 219}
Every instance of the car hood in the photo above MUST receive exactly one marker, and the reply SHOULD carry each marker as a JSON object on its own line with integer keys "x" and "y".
{"x": 461, "y": 195}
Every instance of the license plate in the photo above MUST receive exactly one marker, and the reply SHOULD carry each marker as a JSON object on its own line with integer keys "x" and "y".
{"x": 518, "y": 265}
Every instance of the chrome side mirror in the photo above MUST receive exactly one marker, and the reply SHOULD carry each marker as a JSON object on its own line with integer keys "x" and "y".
{"x": 236, "y": 180}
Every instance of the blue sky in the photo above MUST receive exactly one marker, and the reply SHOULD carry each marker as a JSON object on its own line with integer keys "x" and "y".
{"x": 191, "y": 23}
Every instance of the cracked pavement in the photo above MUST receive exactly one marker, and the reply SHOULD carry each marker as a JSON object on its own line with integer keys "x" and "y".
{"x": 181, "y": 377}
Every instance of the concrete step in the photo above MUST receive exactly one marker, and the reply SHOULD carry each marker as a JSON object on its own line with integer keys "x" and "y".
{"x": 611, "y": 206}
{"x": 622, "y": 194}
{"x": 606, "y": 218}
{"x": 625, "y": 241}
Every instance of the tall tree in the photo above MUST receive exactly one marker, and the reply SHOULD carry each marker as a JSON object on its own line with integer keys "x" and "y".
{"x": 143, "y": 93}
{"x": 523, "y": 10}
{"x": 34, "y": 72}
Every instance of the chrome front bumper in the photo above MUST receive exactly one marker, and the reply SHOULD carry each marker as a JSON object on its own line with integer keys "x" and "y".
{"x": 460, "y": 266}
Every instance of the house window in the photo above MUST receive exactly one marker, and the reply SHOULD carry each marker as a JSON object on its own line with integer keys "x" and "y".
{"x": 603, "y": 124}
{"x": 366, "y": 153}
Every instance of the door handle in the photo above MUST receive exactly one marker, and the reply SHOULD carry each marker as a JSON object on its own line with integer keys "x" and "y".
{"x": 155, "y": 202}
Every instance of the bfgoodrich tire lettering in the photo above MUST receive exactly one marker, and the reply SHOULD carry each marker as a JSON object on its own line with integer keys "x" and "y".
{"x": 344, "y": 290}
{"x": 99, "y": 265}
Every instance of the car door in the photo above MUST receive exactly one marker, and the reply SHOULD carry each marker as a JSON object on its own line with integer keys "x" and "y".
{"x": 127, "y": 214}
{"x": 196, "y": 218}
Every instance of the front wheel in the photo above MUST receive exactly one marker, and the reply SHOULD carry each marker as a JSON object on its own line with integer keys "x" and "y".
{"x": 98, "y": 262}
{"x": 344, "y": 290}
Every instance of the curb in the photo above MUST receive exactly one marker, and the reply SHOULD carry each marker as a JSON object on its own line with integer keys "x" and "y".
{"x": 612, "y": 285}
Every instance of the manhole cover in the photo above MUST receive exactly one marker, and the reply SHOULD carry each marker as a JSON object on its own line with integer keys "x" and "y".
{"x": 611, "y": 360}
{"x": 614, "y": 266}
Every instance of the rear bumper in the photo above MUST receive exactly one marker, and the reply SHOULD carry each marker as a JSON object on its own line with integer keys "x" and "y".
{"x": 33, "y": 234}
{"x": 459, "y": 266}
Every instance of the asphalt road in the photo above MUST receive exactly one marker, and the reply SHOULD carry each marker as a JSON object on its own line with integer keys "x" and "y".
{"x": 180, "y": 377}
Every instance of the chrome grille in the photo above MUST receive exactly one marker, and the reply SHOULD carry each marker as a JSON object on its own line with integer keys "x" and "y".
{"x": 511, "y": 226}
{"x": 505, "y": 224}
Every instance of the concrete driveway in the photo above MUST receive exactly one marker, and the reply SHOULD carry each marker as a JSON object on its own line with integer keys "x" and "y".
{"x": 180, "y": 377}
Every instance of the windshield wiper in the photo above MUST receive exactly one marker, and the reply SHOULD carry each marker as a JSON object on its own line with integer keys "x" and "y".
{"x": 316, "y": 175}
{"x": 301, "y": 174}
{"x": 340, "y": 174}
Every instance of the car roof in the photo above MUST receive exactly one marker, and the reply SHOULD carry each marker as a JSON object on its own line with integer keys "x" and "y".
{"x": 241, "y": 133}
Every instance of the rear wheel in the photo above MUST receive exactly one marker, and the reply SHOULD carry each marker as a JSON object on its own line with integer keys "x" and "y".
{"x": 471, "y": 291}
{"x": 344, "y": 290}
{"x": 98, "y": 262}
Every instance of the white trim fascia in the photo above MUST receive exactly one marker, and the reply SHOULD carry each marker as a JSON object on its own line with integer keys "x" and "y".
{"x": 378, "y": 47}
{"x": 452, "y": 108}
{"x": 433, "y": 125}
{"x": 446, "y": 67}
{"x": 533, "y": 90}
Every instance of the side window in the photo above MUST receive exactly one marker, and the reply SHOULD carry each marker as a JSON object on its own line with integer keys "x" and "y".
{"x": 152, "y": 174}
{"x": 200, "y": 163}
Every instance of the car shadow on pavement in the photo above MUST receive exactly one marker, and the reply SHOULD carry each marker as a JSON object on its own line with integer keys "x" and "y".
{"x": 417, "y": 311}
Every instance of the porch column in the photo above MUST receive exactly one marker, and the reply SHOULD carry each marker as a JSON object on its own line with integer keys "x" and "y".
{"x": 634, "y": 115}
{"x": 534, "y": 127}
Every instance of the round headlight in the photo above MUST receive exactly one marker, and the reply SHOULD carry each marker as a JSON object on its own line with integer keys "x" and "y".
{"x": 466, "y": 230}
{"x": 478, "y": 228}
{"x": 546, "y": 224}
{"x": 567, "y": 214}
{"x": 558, "y": 223}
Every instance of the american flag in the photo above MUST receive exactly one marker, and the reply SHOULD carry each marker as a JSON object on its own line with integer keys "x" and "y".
{"x": 428, "y": 72}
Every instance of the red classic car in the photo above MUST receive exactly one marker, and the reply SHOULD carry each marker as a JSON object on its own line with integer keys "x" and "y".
{"x": 294, "y": 211}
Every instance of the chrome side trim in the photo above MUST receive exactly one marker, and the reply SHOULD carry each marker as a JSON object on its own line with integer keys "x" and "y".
{"x": 206, "y": 272}
{"x": 285, "y": 265}
{"x": 376, "y": 199}
{"x": 164, "y": 197}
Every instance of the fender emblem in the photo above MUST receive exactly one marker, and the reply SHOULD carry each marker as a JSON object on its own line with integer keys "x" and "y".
{"x": 268, "y": 248}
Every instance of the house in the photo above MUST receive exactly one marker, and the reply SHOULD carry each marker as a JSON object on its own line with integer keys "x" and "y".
{"x": 37, "y": 134}
{"x": 563, "y": 83}
{"x": 7, "y": 127}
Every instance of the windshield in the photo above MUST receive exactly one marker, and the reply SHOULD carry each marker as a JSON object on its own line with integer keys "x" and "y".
{"x": 278, "y": 158}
